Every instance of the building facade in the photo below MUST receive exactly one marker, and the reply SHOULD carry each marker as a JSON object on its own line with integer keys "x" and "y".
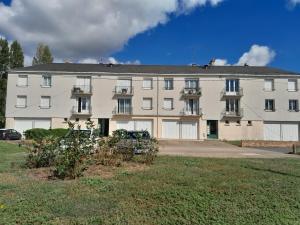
{"x": 171, "y": 102}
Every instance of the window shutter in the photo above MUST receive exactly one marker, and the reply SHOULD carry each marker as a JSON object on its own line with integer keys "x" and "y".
{"x": 22, "y": 80}
{"x": 168, "y": 103}
{"x": 292, "y": 85}
{"x": 21, "y": 101}
{"x": 147, "y": 103}
{"x": 45, "y": 102}
{"x": 147, "y": 83}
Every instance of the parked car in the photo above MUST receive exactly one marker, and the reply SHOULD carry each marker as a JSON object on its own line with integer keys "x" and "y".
{"x": 10, "y": 134}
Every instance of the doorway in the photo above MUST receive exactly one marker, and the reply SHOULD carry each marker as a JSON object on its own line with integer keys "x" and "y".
{"x": 212, "y": 129}
{"x": 103, "y": 126}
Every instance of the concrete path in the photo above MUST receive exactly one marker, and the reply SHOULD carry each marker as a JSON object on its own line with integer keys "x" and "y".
{"x": 215, "y": 149}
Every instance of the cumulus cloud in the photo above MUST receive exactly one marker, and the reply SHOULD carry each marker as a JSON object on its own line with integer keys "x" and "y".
{"x": 257, "y": 56}
{"x": 80, "y": 29}
{"x": 221, "y": 62}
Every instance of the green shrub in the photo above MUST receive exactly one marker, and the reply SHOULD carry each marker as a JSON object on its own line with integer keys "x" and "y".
{"x": 36, "y": 134}
{"x": 39, "y": 133}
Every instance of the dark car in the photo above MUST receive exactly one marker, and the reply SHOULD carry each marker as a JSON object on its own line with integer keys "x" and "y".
{"x": 10, "y": 134}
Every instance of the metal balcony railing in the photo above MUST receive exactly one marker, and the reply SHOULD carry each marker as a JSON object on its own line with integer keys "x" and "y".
{"x": 233, "y": 114}
{"x": 123, "y": 90}
{"x": 191, "y": 92}
{"x": 195, "y": 112}
{"x": 237, "y": 93}
{"x": 122, "y": 111}
{"x": 77, "y": 111}
{"x": 82, "y": 90}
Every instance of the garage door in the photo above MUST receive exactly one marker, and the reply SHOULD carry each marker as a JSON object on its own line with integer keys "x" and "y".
{"x": 144, "y": 125}
{"x": 272, "y": 132}
{"x": 281, "y": 131}
{"x": 136, "y": 125}
{"x": 22, "y": 125}
{"x": 170, "y": 129}
{"x": 189, "y": 130}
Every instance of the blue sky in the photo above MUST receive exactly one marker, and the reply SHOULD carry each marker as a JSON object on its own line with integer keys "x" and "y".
{"x": 224, "y": 31}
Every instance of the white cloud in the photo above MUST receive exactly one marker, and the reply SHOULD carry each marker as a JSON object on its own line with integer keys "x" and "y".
{"x": 294, "y": 2}
{"x": 257, "y": 56}
{"x": 80, "y": 29}
{"x": 221, "y": 62}
{"x": 107, "y": 60}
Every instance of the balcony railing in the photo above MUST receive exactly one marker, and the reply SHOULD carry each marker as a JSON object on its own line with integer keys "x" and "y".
{"x": 76, "y": 111}
{"x": 122, "y": 111}
{"x": 237, "y": 93}
{"x": 123, "y": 90}
{"x": 186, "y": 112}
{"x": 233, "y": 114}
{"x": 82, "y": 90}
{"x": 191, "y": 92}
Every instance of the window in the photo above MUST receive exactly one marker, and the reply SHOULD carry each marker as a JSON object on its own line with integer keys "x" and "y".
{"x": 45, "y": 102}
{"x": 22, "y": 80}
{"x": 169, "y": 84}
{"x": 238, "y": 123}
{"x": 232, "y": 85}
{"x": 168, "y": 103}
{"x": 269, "y": 85}
{"x": 66, "y": 119}
{"x": 226, "y": 122}
{"x": 147, "y": 83}
{"x": 124, "y": 106}
{"x": 232, "y": 105}
{"x": 292, "y": 85}
{"x": 46, "y": 81}
{"x": 192, "y": 106}
{"x": 293, "y": 105}
{"x": 77, "y": 119}
{"x": 249, "y": 123}
{"x": 270, "y": 105}
{"x": 147, "y": 103}
{"x": 21, "y": 101}
{"x": 191, "y": 83}
{"x": 124, "y": 86}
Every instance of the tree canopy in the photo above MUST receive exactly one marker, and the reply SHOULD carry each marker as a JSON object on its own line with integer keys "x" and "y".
{"x": 4, "y": 55}
{"x": 43, "y": 55}
{"x": 16, "y": 55}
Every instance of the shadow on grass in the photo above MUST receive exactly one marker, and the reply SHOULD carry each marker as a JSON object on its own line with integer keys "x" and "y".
{"x": 271, "y": 171}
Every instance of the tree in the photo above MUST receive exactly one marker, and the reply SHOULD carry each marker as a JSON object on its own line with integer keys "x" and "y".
{"x": 4, "y": 56}
{"x": 3, "y": 82}
{"x": 16, "y": 55}
{"x": 43, "y": 55}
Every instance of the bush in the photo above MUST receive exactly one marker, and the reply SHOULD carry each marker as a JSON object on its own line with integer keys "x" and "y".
{"x": 43, "y": 153}
{"x": 39, "y": 133}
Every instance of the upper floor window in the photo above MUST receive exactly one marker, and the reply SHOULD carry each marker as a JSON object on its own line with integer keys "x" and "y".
{"x": 293, "y": 105}
{"x": 47, "y": 81}
{"x": 169, "y": 84}
{"x": 168, "y": 103}
{"x": 292, "y": 85}
{"x": 22, "y": 80}
{"x": 269, "y": 85}
{"x": 147, "y": 83}
{"x": 270, "y": 105}
{"x": 21, "y": 101}
{"x": 124, "y": 86}
{"x": 147, "y": 103}
{"x": 84, "y": 83}
{"x": 45, "y": 102}
{"x": 232, "y": 105}
{"x": 232, "y": 85}
{"x": 191, "y": 83}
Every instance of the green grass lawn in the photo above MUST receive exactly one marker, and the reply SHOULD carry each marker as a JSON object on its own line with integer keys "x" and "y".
{"x": 175, "y": 190}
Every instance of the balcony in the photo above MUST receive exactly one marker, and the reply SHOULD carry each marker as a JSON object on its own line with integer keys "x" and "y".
{"x": 191, "y": 92}
{"x": 82, "y": 112}
{"x": 232, "y": 114}
{"x": 123, "y": 91}
{"x": 126, "y": 111}
{"x": 82, "y": 90}
{"x": 239, "y": 93}
{"x": 197, "y": 112}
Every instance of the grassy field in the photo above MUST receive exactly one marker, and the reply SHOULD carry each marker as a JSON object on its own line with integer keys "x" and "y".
{"x": 173, "y": 191}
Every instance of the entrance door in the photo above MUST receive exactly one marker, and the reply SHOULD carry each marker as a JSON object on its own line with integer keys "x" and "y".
{"x": 212, "y": 129}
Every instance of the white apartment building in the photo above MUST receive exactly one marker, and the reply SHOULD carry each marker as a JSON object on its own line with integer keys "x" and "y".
{"x": 171, "y": 102}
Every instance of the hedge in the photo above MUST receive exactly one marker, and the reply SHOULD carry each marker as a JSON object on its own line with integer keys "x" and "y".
{"x": 39, "y": 133}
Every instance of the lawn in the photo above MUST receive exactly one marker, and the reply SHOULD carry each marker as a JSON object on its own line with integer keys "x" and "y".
{"x": 175, "y": 190}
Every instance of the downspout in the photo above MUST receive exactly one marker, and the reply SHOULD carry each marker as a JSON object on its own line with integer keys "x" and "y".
{"x": 157, "y": 104}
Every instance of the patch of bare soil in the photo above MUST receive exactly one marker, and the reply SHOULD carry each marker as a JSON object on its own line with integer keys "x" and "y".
{"x": 40, "y": 173}
{"x": 107, "y": 172}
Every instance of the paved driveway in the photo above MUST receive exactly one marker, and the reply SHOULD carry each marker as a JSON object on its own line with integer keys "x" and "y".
{"x": 215, "y": 149}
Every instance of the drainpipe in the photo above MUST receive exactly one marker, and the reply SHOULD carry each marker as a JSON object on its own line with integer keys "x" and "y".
{"x": 157, "y": 104}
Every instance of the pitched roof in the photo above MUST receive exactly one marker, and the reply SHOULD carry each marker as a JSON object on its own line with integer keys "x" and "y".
{"x": 155, "y": 69}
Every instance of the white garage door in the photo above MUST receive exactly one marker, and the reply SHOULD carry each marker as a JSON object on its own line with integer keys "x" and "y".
{"x": 22, "y": 125}
{"x": 281, "y": 131}
{"x": 127, "y": 125}
{"x": 272, "y": 132}
{"x": 290, "y": 132}
{"x": 144, "y": 125}
{"x": 189, "y": 130}
{"x": 170, "y": 129}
